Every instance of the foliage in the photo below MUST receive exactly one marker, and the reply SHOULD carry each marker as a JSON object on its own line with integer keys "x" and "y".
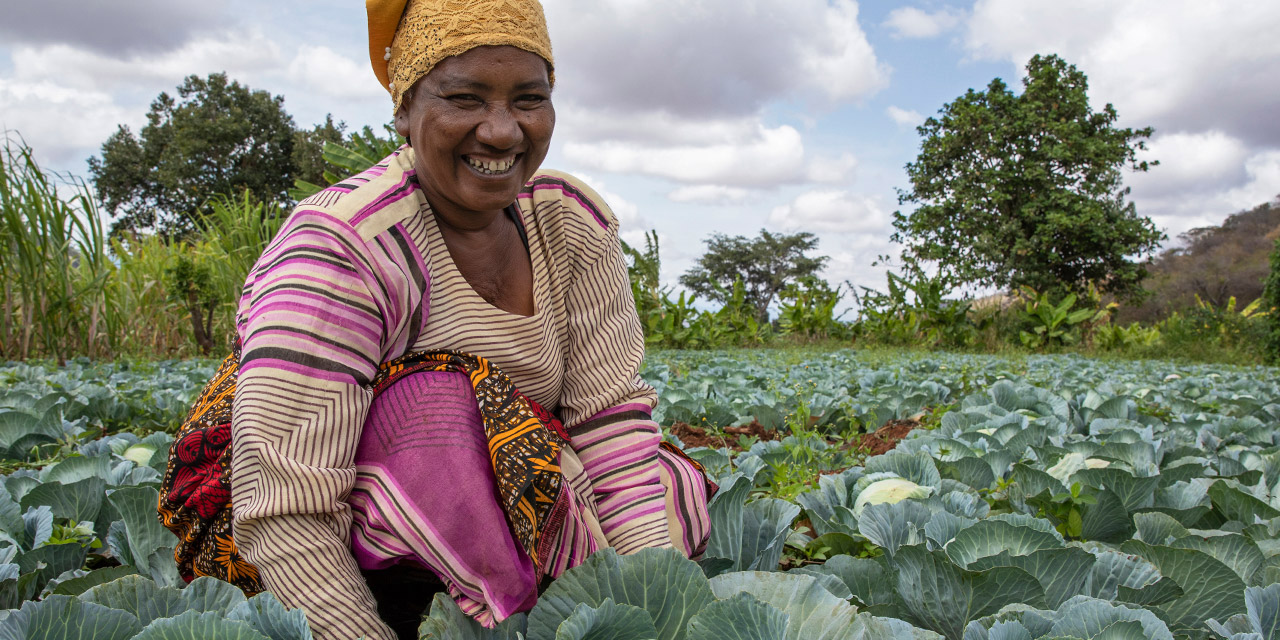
{"x": 209, "y": 274}
{"x": 1055, "y": 497}
{"x": 70, "y": 290}
{"x": 915, "y": 311}
{"x": 216, "y": 137}
{"x": 309, "y": 162}
{"x": 362, "y": 150}
{"x": 52, "y": 260}
{"x": 1114, "y": 337}
{"x": 1016, "y": 190}
{"x": 191, "y": 285}
{"x": 1224, "y": 328}
{"x": 1271, "y": 303}
{"x": 807, "y": 309}
{"x": 678, "y": 324}
{"x": 1056, "y": 324}
{"x": 765, "y": 264}
{"x": 643, "y": 270}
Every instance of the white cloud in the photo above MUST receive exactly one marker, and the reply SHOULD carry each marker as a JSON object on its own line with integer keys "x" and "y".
{"x": 832, "y": 170}
{"x": 904, "y": 117}
{"x": 242, "y": 54}
{"x": 910, "y": 22}
{"x": 320, "y": 70}
{"x": 63, "y": 126}
{"x": 1180, "y": 65}
{"x": 1175, "y": 211}
{"x": 831, "y": 211}
{"x": 1191, "y": 162}
{"x": 771, "y": 156}
{"x": 852, "y": 261}
{"x": 712, "y": 194}
{"x": 677, "y": 90}
{"x": 710, "y": 59}
{"x": 66, "y": 100}
{"x": 629, "y": 219}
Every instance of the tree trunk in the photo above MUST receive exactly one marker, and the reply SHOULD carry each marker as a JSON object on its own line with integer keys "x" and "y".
{"x": 197, "y": 326}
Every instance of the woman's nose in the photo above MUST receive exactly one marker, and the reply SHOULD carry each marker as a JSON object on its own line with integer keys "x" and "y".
{"x": 499, "y": 128}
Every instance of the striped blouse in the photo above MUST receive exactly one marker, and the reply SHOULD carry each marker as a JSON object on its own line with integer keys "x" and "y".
{"x": 358, "y": 275}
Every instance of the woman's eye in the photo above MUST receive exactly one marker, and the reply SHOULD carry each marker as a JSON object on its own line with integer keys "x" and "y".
{"x": 465, "y": 99}
{"x": 531, "y": 100}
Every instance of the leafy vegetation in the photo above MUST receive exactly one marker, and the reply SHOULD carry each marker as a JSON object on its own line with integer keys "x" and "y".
{"x": 71, "y": 290}
{"x": 1046, "y": 497}
{"x": 1271, "y": 302}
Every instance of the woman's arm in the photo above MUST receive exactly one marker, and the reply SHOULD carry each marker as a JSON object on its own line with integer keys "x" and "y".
{"x": 312, "y": 327}
{"x": 606, "y": 405}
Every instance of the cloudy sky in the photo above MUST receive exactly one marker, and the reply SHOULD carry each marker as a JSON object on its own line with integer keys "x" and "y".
{"x": 700, "y": 116}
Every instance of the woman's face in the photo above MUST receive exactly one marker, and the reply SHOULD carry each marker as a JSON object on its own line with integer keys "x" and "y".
{"x": 480, "y": 124}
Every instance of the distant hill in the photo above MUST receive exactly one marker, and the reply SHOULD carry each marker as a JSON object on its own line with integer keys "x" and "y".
{"x": 1215, "y": 263}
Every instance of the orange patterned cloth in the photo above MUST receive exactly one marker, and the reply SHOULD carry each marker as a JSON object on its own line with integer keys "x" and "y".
{"x": 195, "y": 494}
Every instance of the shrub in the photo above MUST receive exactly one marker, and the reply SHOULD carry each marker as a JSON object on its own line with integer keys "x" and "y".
{"x": 1271, "y": 302}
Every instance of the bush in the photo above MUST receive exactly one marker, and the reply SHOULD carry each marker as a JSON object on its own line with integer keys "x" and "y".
{"x": 915, "y": 312}
{"x": 1271, "y": 302}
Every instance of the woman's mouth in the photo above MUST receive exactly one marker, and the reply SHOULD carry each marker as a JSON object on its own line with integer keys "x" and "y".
{"x": 492, "y": 167}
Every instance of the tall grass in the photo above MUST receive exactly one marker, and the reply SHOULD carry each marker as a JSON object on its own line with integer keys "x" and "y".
{"x": 53, "y": 261}
{"x": 70, "y": 290}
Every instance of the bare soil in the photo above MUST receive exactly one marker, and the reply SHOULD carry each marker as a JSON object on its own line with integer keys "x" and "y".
{"x": 887, "y": 437}
{"x": 693, "y": 436}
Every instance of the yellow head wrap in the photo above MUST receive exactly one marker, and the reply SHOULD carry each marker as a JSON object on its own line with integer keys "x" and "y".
{"x": 406, "y": 42}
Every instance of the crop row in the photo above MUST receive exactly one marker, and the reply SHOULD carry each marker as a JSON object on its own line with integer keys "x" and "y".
{"x": 1049, "y": 498}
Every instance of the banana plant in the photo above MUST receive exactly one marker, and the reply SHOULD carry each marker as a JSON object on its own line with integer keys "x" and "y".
{"x": 1053, "y": 324}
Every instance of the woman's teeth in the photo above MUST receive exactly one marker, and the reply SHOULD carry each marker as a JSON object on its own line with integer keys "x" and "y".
{"x": 491, "y": 166}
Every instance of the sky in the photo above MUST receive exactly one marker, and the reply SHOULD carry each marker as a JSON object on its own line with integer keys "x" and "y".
{"x": 695, "y": 117}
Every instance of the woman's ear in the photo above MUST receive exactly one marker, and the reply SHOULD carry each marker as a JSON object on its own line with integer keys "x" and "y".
{"x": 401, "y": 121}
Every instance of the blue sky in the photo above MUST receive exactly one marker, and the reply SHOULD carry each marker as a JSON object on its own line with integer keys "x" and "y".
{"x": 697, "y": 117}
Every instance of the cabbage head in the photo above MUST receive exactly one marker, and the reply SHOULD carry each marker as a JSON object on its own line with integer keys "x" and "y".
{"x": 889, "y": 490}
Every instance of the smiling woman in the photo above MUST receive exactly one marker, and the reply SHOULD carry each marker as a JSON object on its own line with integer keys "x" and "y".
{"x": 436, "y": 381}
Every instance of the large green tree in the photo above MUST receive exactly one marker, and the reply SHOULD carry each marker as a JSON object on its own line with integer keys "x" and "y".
{"x": 217, "y": 137}
{"x": 766, "y": 265}
{"x": 1026, "y": 189}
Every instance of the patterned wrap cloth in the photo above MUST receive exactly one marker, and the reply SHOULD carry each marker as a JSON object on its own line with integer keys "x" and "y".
{"x": 450, "y": 447}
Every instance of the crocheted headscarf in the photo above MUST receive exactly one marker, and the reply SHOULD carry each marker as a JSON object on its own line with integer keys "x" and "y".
{"x": 407, "y": 38}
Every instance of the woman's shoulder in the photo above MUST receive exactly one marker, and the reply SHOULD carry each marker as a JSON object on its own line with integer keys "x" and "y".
{"x": 566, "y": 201}
{"x": 371, "y": 201}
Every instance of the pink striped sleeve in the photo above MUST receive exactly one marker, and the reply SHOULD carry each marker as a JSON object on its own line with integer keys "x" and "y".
{"x": 606, "y": 405}
{"x": 312, "y": 322}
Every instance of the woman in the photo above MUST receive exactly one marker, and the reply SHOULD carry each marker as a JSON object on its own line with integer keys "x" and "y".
{"x": 455, "y": 242}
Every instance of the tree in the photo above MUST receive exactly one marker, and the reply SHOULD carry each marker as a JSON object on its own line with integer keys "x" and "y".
{"x": 309, "y": 162}
{"x": 1017, "y": 190}
{"x": 1271, "y": 306}
{"x": 338, "y": 160}
{"x": 217, "y": 137}
{"x": 766, "y": 265}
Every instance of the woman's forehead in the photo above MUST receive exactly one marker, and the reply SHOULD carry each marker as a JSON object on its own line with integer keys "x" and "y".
{"x": 485, "y": 67}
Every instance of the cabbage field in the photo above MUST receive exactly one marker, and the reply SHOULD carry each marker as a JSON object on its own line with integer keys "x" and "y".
{"x": 1031, "y": 498}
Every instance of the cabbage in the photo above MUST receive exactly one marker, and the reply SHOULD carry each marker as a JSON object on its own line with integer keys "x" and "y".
{"x": 1067, "y": 467}
{"x": 890, "y": 491}
{"x": 140, "y": 454}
